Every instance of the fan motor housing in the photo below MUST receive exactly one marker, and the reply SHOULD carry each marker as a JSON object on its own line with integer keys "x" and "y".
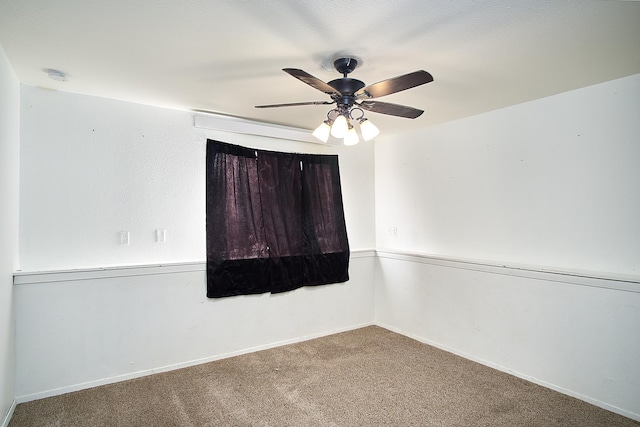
{"x": 346, "y": 85}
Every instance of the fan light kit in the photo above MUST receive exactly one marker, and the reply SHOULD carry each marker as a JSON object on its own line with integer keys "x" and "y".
{"x": 351, "y": 97}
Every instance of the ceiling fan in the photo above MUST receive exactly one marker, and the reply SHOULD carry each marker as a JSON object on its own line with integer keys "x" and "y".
{"x": 352, "y": 97}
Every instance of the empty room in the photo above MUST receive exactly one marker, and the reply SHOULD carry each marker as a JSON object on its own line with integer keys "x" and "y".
{"x": 319, "y": 213}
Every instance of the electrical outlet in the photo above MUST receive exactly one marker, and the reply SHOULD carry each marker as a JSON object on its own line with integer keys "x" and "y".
{"x": 124, "y": 237}
{"x": 393, "y": 231}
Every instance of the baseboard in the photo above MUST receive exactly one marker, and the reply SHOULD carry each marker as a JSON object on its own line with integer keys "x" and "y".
{"x": 7, "y": 418}
{"x": 537, "y": 381}
{"x": 138, "y": 374}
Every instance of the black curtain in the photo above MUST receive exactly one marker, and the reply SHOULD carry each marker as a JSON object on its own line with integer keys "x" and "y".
{"x": 275, "y": 221}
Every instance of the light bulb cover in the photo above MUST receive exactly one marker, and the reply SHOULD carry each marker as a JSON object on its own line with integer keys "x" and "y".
{"x": 351, "y": 138}
{"x": 368, "y": 129}
{"x": 340, "y": 127}
{"x": 322, "y": 131}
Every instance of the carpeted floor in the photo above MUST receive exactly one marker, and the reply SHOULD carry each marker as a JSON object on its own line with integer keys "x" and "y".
{"x": 365, "y": 377}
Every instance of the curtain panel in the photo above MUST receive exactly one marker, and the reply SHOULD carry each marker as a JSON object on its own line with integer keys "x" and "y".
{"x": 275, "y": 221}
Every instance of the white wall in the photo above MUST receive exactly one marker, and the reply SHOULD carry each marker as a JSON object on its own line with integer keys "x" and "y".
{"x": 552, "y": 184}
{"x": 580, "y": 336}
{"x": 85, "y": 328}
{"x": 92, "y": 167}
{"x": 9, "y": 187}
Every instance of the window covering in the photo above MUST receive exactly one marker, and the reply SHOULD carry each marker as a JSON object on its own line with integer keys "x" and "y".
{"x": 275, "y": 221}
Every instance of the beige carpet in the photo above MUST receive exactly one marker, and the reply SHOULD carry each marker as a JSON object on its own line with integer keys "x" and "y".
{"x": 366, "y": 377}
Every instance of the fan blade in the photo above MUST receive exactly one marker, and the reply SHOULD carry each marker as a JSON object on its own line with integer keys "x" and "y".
{"x": 314, "y": 82}
{"x": 295, "y": 104}
{"x": 390, "y": 109}
{"x": 396, "y": 84}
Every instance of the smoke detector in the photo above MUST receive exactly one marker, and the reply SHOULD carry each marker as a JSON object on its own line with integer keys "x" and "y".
{"x": 57, "y": 75}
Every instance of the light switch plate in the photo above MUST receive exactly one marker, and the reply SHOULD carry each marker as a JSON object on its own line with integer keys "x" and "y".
{"x": 161, "y": 235}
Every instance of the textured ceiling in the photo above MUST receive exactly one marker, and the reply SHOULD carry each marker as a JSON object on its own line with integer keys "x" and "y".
{"x": 227, "y": 56}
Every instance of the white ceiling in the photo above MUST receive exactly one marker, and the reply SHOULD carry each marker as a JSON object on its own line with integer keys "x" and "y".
{"x": 226, "y": 56}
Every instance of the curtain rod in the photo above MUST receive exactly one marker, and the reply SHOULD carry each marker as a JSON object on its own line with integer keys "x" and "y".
{"x": 212, "y": 121}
